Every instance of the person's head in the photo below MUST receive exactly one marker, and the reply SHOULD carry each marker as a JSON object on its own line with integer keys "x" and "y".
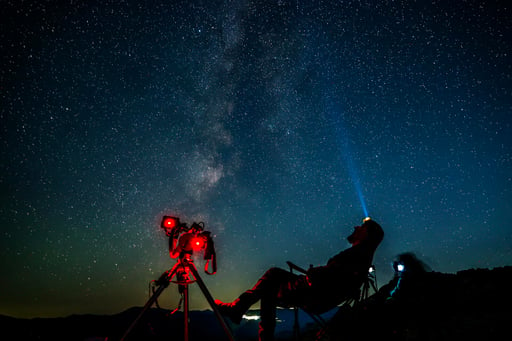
{"x": 408, "y": 263}
{"x": 369, "y": 232}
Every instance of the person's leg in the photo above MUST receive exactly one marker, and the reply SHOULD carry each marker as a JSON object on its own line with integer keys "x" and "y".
{"x": 292, "y": 290}
{"x": 267, "y": 286}
{"x": 267, "y": 318}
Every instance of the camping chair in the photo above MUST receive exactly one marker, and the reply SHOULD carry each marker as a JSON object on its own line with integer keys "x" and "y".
{"x": 359, "y": 295}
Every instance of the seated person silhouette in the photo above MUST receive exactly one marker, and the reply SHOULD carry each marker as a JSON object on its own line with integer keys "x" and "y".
{"x": 318, "y": 290}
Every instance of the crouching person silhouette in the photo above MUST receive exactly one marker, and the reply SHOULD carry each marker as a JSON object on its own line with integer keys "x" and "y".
{"x": 318, "y": 290}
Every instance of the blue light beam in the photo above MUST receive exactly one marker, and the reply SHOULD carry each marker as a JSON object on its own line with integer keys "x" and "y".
{"x": 343, "y": 142}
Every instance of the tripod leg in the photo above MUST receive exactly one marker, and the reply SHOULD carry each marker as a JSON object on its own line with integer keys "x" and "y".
{"x": 164, "y": 281}
{"x": 148, "y": 305}
{"x": 296, "y": 326}
{"x": 364, "y": 293}
{"x": 210, "y": 300}
{"x": 374, "y": 286}
{"x": 185, "y": 313}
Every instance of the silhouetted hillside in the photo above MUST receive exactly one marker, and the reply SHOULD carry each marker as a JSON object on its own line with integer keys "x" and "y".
{"x": 469, "y": 305}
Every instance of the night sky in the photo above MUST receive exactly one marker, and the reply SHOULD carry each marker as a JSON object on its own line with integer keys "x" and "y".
{"x": 273, "y": 122}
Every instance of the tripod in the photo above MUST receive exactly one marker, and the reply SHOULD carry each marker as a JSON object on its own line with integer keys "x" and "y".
{"x": 371, "y": 281}
{"x": 181, "y": 270}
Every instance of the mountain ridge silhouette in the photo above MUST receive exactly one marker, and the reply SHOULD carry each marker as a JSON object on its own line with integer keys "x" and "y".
{"x": 471, "y": 304}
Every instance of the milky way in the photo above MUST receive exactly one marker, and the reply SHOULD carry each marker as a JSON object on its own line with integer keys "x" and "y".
{"x": 263, "y": 120}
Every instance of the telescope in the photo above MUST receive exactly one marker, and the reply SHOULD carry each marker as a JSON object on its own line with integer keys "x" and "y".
{"x": 184, "y": 242}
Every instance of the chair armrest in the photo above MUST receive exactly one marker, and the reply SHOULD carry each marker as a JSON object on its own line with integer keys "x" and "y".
{"x": 295, "y": 267}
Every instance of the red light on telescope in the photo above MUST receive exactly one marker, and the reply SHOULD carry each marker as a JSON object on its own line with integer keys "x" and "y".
{"x": 197, "y": 243}
{"x": 169, "y": 222}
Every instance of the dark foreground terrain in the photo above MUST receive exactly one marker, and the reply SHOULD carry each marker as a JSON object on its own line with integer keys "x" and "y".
{"x": 470, "y": 305}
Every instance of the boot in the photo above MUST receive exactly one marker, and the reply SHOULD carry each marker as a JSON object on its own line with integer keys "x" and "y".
{"x": 236, "y": 309}
{"x": 230, "y": 310}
